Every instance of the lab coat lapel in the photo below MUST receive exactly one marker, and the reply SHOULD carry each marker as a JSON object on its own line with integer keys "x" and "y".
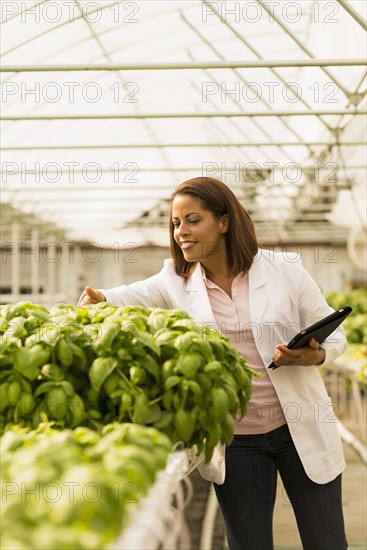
{"x": 200, "y": 306}
{"x": 258, "y": 292}
{"x": 197, "y": 300}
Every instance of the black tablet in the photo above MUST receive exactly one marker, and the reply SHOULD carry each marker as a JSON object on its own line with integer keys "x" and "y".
{"x": 319, "y": 330}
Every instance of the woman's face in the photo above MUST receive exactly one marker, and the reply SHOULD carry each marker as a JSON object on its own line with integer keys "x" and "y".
{"x": 197, "y": 231}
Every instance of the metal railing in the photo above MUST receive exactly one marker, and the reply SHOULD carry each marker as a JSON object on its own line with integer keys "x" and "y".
{"x": 347, "y": 393}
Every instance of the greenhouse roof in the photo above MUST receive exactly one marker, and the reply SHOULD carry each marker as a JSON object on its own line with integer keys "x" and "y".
{"x": 108, "y": 106}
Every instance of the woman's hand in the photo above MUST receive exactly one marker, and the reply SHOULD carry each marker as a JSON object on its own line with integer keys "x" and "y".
{"x": 311, "y": 354}
{"x": 91, "y": 296}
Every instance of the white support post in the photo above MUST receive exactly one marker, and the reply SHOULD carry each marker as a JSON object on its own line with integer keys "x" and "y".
{"x": 15, "y": 264}
{"x": 49, "y": 256}
{"x": 35, "y": 261}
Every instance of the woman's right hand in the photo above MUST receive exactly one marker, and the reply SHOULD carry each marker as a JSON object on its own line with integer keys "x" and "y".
{"x": 91, "y": 296}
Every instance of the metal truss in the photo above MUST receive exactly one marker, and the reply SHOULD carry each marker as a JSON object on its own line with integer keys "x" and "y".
{"x": 166, "y": 66}
{"x": 226, "y": 133}
{"x": 188, "y": 115}
{"x": 180, "y": 145}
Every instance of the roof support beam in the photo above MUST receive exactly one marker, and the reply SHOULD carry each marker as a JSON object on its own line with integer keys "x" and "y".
{"x": 356, "y": 16}
{"x": 115, "y": 216}
{"x": 187, "y": 115}
{"x": 242, "y": 79}
{"x": 303, "y": 47}
{"x": 277, "y": 73}
{"x": 228, "y": 168}
{"x": 58, "y": 202}
{"x": 166, "y": 66}
{"x": 107, "y": 56}
{"x": 180, "y": 145}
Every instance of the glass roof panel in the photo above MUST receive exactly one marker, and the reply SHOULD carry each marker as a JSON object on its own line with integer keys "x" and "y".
{"x": 238, "y": 119}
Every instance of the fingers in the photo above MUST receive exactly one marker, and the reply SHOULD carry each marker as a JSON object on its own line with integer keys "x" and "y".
{"x": 311, "y": 354}
{"x": 91, "y": 296}
{"x": 83, "y": 298}
{"x": 313, "y": 344}
{"x": 320, "y": 352}
{"x": 280, "y": 355}
{"x": 286, "y": 356}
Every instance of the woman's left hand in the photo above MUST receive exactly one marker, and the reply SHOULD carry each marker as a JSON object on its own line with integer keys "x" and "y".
{"x": 311, "y": 354}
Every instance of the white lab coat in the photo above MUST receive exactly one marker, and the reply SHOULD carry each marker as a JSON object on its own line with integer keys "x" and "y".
{"x": 283, "y": 299}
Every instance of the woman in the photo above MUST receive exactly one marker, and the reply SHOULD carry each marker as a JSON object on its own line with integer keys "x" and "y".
{"x": 258, "y": 299}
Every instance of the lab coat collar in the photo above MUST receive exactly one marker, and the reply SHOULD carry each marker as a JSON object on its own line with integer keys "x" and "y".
{"x": 257, "y": 275}
{"x": 257, "y": 272}
{"x": 200, "y": 304}
{"x": 195, "y": 281}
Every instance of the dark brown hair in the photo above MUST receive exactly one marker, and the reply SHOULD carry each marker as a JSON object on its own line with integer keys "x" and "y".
{"x": 216, "y": 197}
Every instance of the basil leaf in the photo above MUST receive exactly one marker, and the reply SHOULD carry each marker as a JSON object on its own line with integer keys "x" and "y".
{"x": 101, "y": 368}
{"x": 22, "y": 363}
{"x": 148, "y": 341}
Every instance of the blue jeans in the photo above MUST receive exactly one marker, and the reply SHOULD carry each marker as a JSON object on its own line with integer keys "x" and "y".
{"x": 247, "y": 497}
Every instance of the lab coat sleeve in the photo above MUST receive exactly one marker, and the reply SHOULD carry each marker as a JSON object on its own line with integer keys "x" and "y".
{"x": 312, "y": 308}
{"x": 150, "y": 292}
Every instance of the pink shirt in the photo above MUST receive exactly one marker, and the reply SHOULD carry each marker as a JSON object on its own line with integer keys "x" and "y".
{"x": 264, "y": 412}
